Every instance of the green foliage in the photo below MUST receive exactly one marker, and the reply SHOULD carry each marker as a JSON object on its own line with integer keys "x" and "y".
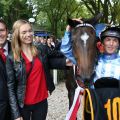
{"x": 52, "y": 14}
{"x": 109, "y": 8}
{"x": 13, "y": 10}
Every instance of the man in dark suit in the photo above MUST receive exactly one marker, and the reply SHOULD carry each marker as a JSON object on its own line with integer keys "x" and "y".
{"x": 4, "y": 50}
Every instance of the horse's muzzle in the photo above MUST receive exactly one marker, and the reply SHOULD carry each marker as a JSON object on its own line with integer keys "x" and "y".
{"x": 83, "y": 79}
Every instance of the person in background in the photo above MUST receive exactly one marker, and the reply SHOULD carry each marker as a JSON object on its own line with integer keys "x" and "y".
{"x": 4, "y": 50}
{"x": 43, "y": 40}
{"x": 36, "y": 40}
{"x": 55, "y": 42}
{"x": 29, "y": 78}
{"x": 52, "y": 39}
{"x": 49, "y": 44}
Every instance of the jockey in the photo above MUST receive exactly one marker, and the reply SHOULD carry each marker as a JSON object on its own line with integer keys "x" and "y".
{"x": 109, "y": 62}
{"x": 107, "y": 78}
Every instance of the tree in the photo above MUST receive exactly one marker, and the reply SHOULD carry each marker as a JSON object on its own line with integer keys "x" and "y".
{"x": 13, "y": 10}
{"x": 53, "y": 10}
{"x": 108, "y": 7}
{"x": 55, "y": 13}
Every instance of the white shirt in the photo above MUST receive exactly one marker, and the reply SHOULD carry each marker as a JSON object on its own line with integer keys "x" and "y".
{"x": 6, "y": 49}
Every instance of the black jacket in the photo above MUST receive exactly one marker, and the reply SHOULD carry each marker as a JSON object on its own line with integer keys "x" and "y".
{"x": 3, "y": 82}
{"x": 17, "y": 79}
{"x": 3, "y": 79}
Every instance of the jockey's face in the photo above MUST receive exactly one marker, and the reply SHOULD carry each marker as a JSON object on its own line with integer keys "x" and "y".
{"x": 111, "y": 44}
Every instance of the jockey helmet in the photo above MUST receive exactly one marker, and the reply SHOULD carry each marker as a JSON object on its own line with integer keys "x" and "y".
{"x": 110, "y": 32}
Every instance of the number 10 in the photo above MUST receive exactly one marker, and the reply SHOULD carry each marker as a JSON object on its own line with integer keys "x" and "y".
{"x": 113, "y": 108}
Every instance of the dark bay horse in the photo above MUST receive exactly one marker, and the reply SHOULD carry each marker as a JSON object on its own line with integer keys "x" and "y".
{"x": 83, "y": 40}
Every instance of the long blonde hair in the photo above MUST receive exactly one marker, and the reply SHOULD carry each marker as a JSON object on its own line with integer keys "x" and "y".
{"x": 16, "y": 43}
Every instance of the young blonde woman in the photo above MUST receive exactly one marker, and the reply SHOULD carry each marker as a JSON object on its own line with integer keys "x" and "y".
{"x": 29, "y": 78}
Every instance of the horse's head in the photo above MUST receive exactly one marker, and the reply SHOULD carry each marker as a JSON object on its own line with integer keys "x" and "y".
{"x": 84, "y": 47}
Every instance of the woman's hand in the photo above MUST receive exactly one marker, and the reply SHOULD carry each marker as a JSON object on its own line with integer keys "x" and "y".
{"x": 68, "y": 63}
{"x": 20, "y": 118}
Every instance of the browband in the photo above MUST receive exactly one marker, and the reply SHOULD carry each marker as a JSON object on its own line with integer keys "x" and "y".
{"x": 85, "y": 24}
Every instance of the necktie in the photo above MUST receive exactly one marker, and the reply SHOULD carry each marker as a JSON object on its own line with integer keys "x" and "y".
{"x": 2, "y": 55}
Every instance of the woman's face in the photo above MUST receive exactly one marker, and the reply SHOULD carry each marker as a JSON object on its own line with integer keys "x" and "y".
{"x": 48, "y": 40}
{"x": 26, "y": 34}
{"x": 111, "y": 45}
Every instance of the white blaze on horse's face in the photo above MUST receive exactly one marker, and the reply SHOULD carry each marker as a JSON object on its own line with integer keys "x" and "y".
{"x": 84, "y": 37}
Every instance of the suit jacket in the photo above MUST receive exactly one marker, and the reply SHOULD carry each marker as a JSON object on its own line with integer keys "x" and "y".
{"x": 3, "y": 78}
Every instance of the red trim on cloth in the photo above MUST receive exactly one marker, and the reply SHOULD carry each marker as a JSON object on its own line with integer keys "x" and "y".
{"x": 72, "y": 113}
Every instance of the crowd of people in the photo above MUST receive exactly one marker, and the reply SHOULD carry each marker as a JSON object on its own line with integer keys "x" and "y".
{"x": 25, "y": 79}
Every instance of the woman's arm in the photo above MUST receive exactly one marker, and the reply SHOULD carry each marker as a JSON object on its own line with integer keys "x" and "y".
{"x": 11, "y": 88}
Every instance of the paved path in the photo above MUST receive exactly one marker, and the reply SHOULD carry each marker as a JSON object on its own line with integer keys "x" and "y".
{"x": 58, "y": 104}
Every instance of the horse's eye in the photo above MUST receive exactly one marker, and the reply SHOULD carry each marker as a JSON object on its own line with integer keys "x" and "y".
{"x": 76, "y": 58}
{"x": 72, "y": 41}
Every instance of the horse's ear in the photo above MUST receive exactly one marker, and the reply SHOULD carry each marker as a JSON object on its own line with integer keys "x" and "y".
{"x": 72, "y": 23}
{"x": 93, "y": 20}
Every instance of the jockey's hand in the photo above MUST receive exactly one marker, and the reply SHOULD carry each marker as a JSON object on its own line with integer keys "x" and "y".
{"x": 68, "y": 28}
{"x": 78, "y": 19}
